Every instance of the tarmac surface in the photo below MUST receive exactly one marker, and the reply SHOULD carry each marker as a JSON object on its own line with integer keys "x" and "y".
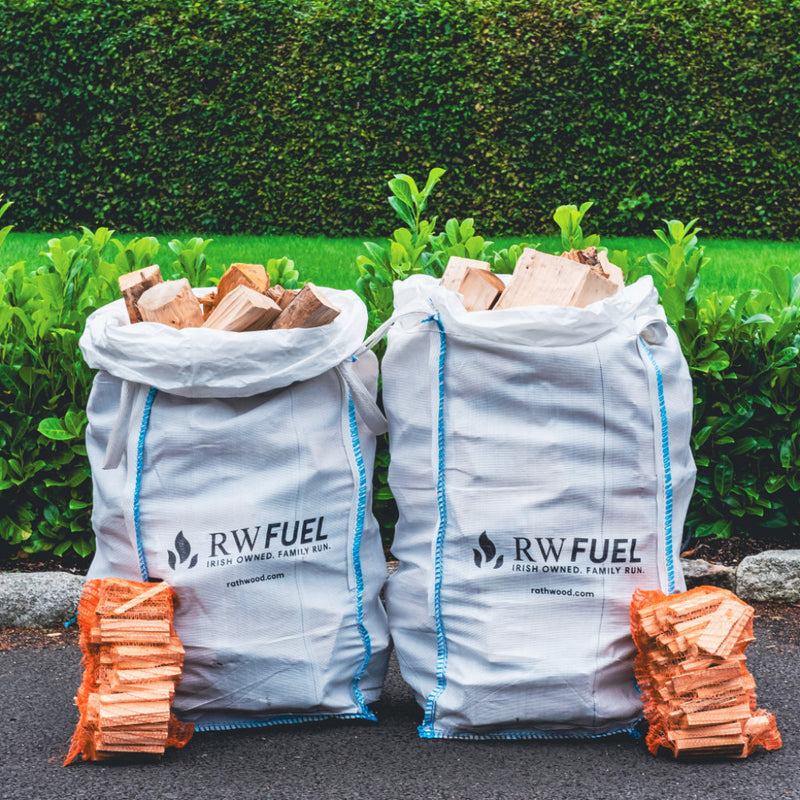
{"x": 384, "y": 760}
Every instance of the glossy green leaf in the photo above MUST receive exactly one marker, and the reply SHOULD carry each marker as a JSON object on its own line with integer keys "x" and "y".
{"x": 53, "y": 429}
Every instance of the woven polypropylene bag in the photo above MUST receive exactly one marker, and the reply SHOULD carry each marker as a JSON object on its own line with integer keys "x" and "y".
{"x": 541, "y": 466}
{"x": 238, "y": 467}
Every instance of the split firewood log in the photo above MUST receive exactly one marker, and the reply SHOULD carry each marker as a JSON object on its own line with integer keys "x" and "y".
{"x": 282, "y": 296}
{"x": 309, "y": 309}
{"x": 253, "y": 276}
{"x": 480, "y": 289}
{"x": 134, "y": 284}
{"x": 543, "y": 279}
{"x": 457, "y": 267}
{"x": 243, "y": 309}
{"x": 172, "y": 303}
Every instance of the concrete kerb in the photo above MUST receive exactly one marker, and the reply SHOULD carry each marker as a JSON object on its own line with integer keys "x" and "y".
{"x": 47, "y": 599}
{"x": 38, "y": 599}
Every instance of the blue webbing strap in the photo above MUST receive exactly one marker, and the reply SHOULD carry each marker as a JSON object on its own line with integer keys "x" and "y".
{"x": 662, "y": 410}
{"x": 426, "y": 730}
{"x": 362, "y": 504}
{"x": 139, "y": 466}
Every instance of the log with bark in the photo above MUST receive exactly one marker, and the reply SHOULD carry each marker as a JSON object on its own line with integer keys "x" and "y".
{"x": 134, "y": 284}
{"x": 308, "y": 309}
{"x": 243, "y": 309}
{"x": 171, "y": 303}
{"x": 242, "y": 301}
{"x": 542, "y": 279}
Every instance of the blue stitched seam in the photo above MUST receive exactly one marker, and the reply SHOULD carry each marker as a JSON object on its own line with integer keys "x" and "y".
{"x": 286, "y": 719}
{"x": 441, "y": 641}
{"x": 139, "y": 466}
{"x": 431, "y": 732}
{"x": 662, "y": 410}
{"x": 362, "y": 504}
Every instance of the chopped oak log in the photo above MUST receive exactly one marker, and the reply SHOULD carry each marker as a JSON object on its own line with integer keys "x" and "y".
{"x": 309, "y": 309}
{"x": 134, "y": 284}
{"x": 598, "y": 261}
{"x": 172, "y": 303}
{"x": 542, "y": 279}
{"x": 586, "y": 256}
{"x": 254, "y": 276}
{"x": 456, "y": 269}
{"x": 243, "y": 309}
{"x": 276, "y": 292}
{"x": 208, "y": 302}
{"x": 480, "y": 289}
{"x": 613, "y": 272}
{"x": 282, "y": 296}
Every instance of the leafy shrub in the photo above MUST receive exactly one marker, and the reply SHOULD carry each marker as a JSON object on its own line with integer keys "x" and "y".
{"x": 742, "y": 354}
{"x": 45, "y": 481}
{"x": 743, "y": 357}
{"x": 245, "y": 115}
{"x": 44, "y": 475}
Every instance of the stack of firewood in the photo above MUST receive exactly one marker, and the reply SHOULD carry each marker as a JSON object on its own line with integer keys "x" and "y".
{"x": 575, "y": 278}
{"x": 698, "y": 695}
{"x": 242, "y": 301}
{"x": 133, "y": 662}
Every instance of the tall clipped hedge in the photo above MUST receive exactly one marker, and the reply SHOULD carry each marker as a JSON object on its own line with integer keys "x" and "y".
{"x": 285, "y": 115}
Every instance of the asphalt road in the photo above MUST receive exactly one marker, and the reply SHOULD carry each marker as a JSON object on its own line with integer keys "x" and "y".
{"x": 384, "y": 760}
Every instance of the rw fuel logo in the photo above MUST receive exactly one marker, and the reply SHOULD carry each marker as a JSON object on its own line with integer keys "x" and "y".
{"x": 576, "y": 555}
{"x": 182, "y": 553}
{"x": 486, "y": 555}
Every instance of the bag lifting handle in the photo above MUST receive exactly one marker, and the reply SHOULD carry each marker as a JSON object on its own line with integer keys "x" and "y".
{"x": 366, "y": 407}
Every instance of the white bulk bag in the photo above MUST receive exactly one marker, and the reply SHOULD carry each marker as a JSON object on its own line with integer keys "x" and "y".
{"x": 238, "y": 467}
{"x": 541, "y": 466}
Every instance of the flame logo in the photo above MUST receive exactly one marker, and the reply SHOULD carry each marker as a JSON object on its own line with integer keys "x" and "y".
{"x": 184, "y": 550}
{"x": 488, "y": 554}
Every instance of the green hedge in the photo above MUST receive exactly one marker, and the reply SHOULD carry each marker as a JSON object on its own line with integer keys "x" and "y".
{"x": 742, "y": 354}
{"x": 262, "y": 116}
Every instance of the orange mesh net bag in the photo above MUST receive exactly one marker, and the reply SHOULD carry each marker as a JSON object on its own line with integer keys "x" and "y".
{"x": 132, "y": 660}
{"x": 698, "y": 695}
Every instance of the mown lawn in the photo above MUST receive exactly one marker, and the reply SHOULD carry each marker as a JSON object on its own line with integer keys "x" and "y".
{"x": 735, "y": 266}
